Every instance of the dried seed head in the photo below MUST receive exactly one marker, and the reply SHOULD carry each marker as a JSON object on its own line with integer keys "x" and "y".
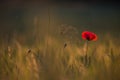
{"x": 29, "y": 51}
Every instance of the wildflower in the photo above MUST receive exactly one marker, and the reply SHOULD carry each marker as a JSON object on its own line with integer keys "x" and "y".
{"x": 90, "y": 36}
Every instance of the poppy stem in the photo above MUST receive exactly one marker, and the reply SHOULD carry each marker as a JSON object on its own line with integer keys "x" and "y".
{"x": 86, "y": 55}
{"x": 86, "y": 47}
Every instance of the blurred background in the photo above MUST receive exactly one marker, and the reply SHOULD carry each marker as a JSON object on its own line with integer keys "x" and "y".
{"x": 98, "y": 16}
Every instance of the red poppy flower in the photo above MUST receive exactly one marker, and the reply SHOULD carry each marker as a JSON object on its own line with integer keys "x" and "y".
{"x": 90, "y": 36}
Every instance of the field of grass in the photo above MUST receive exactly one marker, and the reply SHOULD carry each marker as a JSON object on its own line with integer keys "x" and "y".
{"x": 52, "y": 56}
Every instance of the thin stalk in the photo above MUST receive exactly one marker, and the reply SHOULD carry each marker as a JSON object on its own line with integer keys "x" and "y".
{"x": 86, "y": 54}
{"x": 49, "y": 17}
{"x": 48, "y": 11}
{"x": 86, "y": 47}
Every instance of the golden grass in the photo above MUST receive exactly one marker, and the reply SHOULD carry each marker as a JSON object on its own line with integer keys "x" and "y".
{"x": 44, "y": 56}
{"x": 49, "y": 60}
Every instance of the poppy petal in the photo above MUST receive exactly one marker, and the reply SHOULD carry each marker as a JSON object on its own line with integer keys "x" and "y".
{"x": 90, "y": 36}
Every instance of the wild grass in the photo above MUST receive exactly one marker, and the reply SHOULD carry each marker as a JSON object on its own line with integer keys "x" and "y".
{"x": 59, "y": 57}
